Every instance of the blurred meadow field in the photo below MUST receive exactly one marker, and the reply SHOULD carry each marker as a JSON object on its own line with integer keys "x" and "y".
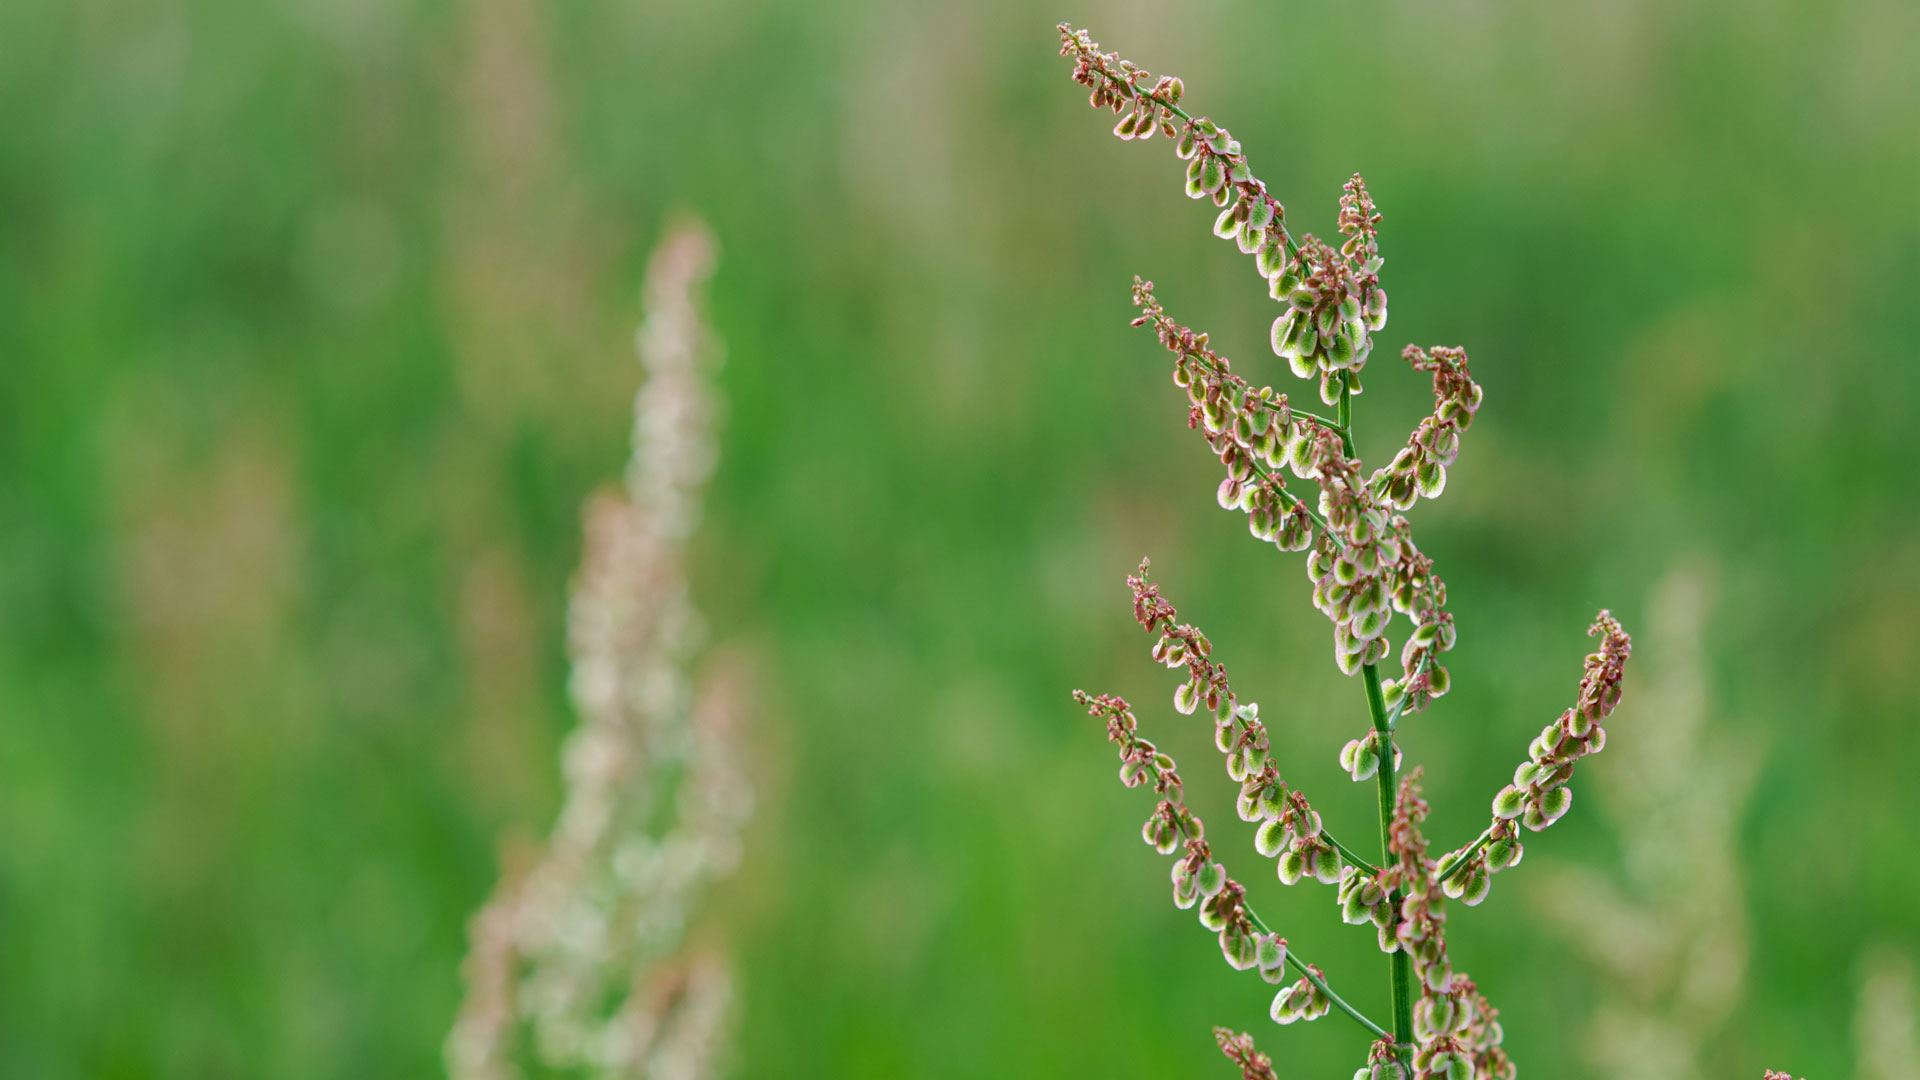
{"x": 315, "y": 334}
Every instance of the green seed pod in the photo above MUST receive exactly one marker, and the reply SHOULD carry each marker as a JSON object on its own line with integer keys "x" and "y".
{"x": 1534, "y": 819}
{"x": 1212, "y": 174}
{"x": 1353, "y": 912}
{"x": 1260, "y": 215}
{"x": 1283, "y": 1010}
{"x": 1431, "y": 478}
{"x": 1348, "y": 663}
{"x": 1340, "y": 350}
{"x": 1225, "y": 226}
{"x": 1437, "y": 678}
{"x": 1239, "y": 947}
{"x": 1500, "y": 851}
{"x": 1211, "y": 878}
{"x": 1250, "y": 239}
{"x": 1366, "y": 763}
{"x": 1329, "y": 386}
{"x": 1325, "y": 866}
{"x": 1183, "y": 148}
{"x": 1247, "y": 803}
{"x": 1186, "y": 699}
{"x": 1272, "y": 803}
{"x": 1127, "y": 125}
{"x": 1130, "y": 772}
{"x": 1326, "y": 320}
{"x": 1554, "y": 804}
{"x": 1308, "y": 339}
{"x": 1184, "y": 894}
{"x": 1291, "y": 866}
{"x": 1253, "y": 758}
{"x": 1479, "y": 883}
{"x": 1239, "y": 173}
{"x": 1285, "y": 335}
{"x": 1302, "y": 365}
{"x": 1321, "y": 1004}
{"x": 1211, "y": 916}
{"x": 1377, "y": 650}
{"x": 1271, "y": 838}
{"x": 1271, "y": 258}
{"x": 1376, "y": 308}
{"x": 1271, "y": 952}
{"x": 1508, "y": 804}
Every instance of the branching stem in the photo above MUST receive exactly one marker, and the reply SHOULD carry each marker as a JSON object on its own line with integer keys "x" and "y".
{"x": 1313, "y": 976}
{"x": 1347, "y": 853}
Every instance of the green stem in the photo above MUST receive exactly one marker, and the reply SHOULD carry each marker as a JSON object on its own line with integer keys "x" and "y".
{"x": 1339, "y": 429}
{"x": 1347, "y": 853}
{"x": 1459, "y": 862}
{"x": 1314, "y": 977}
{"x": 1400, "y": 965}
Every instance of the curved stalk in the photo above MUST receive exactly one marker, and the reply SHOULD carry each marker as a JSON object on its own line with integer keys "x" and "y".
{"x": 1459, "y": 862}
{"x": 1313, "y": 976}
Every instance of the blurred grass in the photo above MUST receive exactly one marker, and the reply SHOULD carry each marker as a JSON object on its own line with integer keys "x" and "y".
{"x": 313, "y": 335}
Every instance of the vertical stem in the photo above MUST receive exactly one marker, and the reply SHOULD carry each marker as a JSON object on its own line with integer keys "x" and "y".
{"x": 1400, "y": 967}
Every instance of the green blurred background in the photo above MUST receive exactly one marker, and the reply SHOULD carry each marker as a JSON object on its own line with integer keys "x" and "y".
{"x": 314, "y": 333}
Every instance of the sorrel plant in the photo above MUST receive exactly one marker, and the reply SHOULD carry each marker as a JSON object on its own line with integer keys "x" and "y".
{"x": 1365, "y": 569}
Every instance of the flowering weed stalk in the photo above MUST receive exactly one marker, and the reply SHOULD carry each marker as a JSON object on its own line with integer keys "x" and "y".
{"x": 577, "y": 964}
{"x": 1365, "y": 569}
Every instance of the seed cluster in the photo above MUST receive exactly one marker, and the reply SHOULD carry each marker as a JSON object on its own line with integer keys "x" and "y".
{"x": 1197, "y": 878}
{"x": 1365, "y": 568}
{"x": 1254, "y": 1065}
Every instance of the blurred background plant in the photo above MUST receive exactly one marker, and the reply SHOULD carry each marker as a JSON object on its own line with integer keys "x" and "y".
{"x": 571, "y": 964}
{"x": 1668, "y": 944}
{"x": 311, "y": 347}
